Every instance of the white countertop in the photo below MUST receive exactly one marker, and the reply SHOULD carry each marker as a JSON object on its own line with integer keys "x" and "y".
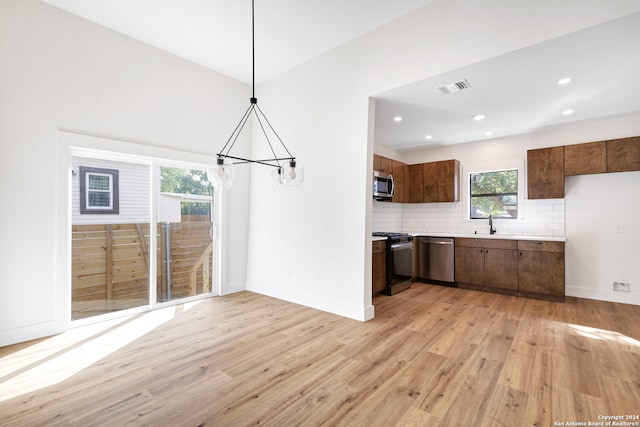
{"x": 493, "y": 236}
{"x": 483, "y": 236}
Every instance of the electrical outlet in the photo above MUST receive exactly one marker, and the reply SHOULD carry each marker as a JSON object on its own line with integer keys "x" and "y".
{"x": 621, "y": 287}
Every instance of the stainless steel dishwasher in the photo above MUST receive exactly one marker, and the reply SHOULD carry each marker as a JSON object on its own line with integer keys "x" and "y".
{"x": 437, "y": 260}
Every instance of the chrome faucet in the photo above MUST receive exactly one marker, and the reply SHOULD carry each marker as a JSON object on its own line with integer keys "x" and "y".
{"x": 491, "y": 229}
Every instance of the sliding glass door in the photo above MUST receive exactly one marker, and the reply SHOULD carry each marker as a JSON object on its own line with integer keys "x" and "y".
{"x": 141, "y": 234}
{"x": 110, "y": 257}
{"x": 185, "y": 229}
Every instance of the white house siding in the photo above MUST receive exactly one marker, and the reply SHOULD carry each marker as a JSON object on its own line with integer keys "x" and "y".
{"x": 134, "y": 190}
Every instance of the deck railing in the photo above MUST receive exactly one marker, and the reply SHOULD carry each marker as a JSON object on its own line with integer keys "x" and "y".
{"x": 110, "y": 265}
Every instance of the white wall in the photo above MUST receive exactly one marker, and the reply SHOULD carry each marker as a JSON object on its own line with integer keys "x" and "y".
{"x": 603, "y": 236}
{"x": 61, "y": 72}
{"x": 312, "y": 245}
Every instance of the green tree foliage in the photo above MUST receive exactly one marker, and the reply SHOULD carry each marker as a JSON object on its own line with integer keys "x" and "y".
{"x": 494, "y": 193}
{"x": 187, "y": 181}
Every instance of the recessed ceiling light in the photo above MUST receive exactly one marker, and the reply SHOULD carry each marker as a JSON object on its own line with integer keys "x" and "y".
{"x": 397, "y": 119}
{"x": 567, "y": 112}
{"x": 488, "y": 133}
{"x": 428, "y": 137}
{"x": 478, "y": 117}
{"x": 564, "y": 81}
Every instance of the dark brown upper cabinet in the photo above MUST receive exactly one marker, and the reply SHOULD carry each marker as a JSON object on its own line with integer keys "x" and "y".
{"x": 434, "y": 182}
{"x": 416, "y": 183}
{"x": 623, "y": 154}
{"x": 449, "y": 181}
{"x": 430, "y": 182}
{"x": 583, "y": 159}
{"x": 382, "y": 164}
{"x": 545, "y": 173}
{"x": 400, "y": 178}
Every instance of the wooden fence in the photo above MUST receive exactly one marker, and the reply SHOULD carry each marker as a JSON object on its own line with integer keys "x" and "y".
{"x": 110, "y": 265}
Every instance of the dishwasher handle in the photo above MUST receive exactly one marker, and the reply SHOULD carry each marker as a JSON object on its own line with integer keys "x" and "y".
{"x": 437, "y": 240}
{"x": 401, "y": 246}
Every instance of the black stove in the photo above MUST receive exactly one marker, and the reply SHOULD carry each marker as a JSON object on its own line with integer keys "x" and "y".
{"x": 399, "y": 261}
{"x": 397, "y": 237}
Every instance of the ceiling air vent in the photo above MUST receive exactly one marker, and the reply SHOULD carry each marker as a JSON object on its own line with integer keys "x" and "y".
{"x": 454, "y": 87}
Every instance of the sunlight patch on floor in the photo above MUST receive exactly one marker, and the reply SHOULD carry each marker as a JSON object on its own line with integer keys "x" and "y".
{"x": 47, "y": 347}
{"x": 189, "y": 305}
{"x": 602, "y": 334}
{"x": 50, "y": 369}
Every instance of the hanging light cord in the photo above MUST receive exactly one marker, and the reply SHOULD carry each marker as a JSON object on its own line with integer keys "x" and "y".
{"x": 258, "y": 114}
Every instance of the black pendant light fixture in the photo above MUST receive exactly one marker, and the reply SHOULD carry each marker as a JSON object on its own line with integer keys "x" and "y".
{"x": 287, "y": 171}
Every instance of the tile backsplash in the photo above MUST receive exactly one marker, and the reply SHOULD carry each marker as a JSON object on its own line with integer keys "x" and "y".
{"x": 541, "y": 217}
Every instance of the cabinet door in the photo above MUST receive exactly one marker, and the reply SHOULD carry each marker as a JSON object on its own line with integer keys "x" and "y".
{"x": 582, "y": 159}
{"x": 449, "y": 181}
{"x": 400, "y": 172}
{"x": 501, "y": 268}
{"x": 379, "y": 266}
{"x": 545, "y": 173}
{"x": 623, "y": 154}
{"x": 541, "y": 272}
{"x": 377, "y": 162}
{"x": 382, "y": 164}
{"x": 430, "y": 179}
{"x": 470, "y": 265}
{"x": 416, "y": 185}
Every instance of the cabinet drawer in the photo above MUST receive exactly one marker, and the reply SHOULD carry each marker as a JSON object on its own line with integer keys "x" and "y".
{"x": 540, "y": 246}
{"x": 487, "y": 243}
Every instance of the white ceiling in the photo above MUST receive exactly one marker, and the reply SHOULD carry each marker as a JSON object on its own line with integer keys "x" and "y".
{"x": 517, "y": 92}
{"x": 217, "y": 33}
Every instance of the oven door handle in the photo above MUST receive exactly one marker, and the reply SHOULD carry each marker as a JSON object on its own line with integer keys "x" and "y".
{"x": 401, "y": 246}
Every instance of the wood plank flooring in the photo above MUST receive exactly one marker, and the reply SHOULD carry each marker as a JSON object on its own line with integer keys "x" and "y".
{"x": 433, "y": 356}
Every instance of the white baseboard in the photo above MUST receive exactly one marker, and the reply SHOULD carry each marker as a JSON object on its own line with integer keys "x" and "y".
{"x": 31, "y": 332}
{"x": 331, "y": 306}
{"x": 597, "y": 294}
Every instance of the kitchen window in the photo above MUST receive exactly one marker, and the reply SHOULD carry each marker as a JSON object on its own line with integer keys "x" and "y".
{"x": 493, "y": 193}
{"x": 99, "y": 191}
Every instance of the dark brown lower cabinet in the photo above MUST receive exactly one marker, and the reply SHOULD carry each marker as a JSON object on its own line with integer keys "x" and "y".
{"x": 516, "y": 267}
{"x": 379, "y": 266}
{"x": 541, "y": 267}
{"x": 500, "y": 268}
{"x": 486, "y": 262}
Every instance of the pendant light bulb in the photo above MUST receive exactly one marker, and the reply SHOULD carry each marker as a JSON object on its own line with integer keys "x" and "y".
{"x": 221, "y": 175}
{"x": 293, "y": 173}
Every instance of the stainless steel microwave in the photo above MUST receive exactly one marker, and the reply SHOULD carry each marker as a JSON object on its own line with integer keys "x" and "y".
{"x": 383, "y": 186}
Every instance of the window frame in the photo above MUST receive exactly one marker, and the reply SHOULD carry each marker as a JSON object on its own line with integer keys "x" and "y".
{"x": 509, "y": 193}
{"x": 114, "y": 190}
{"x": 492, "y": 166}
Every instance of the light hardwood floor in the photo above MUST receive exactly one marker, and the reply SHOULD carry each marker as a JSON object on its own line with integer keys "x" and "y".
{"x": 433, "y": 356}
